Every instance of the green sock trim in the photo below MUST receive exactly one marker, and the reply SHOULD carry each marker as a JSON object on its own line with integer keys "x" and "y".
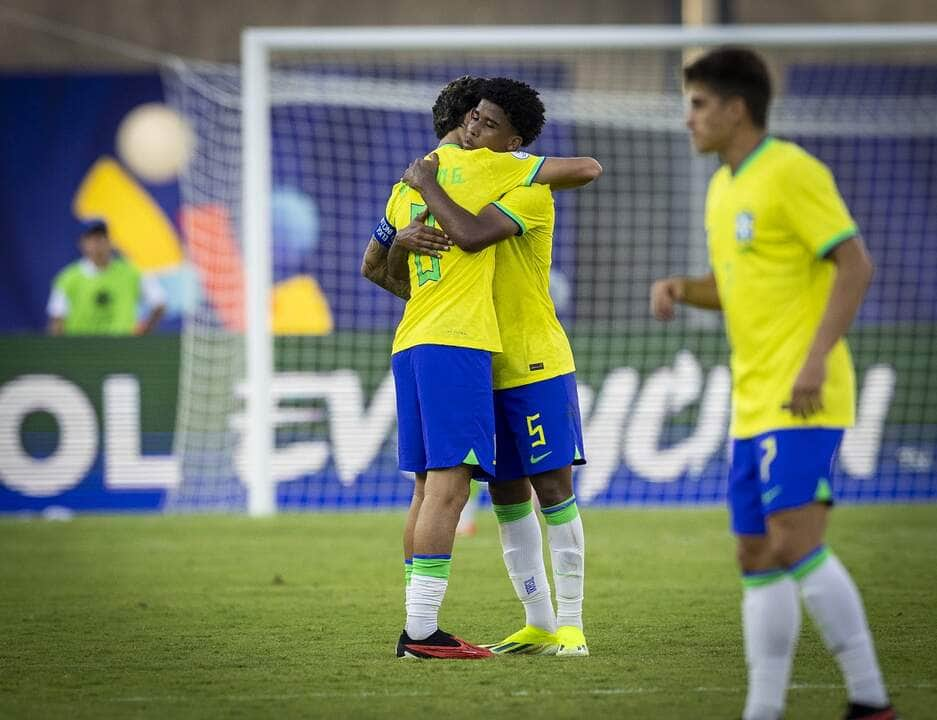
{"x": 475, "y": 488}
{"x": 407, "y": 571}
{"x": 510, "y": 513}
{"x": 560, "y": 514}
{"x": 432, "y": 567}
{"x": 760, "y": 579}
{"x": 823, "y": 493}
{"x": 810, "y": 563}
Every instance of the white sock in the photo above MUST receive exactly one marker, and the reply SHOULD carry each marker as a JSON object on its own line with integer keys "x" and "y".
{"x": 522, "y": 543}
{"x": 771, "y": 625}
{"x": 833, "y": 602}
{"x": 568, "y": 553}
{"x": 423, "y": 600}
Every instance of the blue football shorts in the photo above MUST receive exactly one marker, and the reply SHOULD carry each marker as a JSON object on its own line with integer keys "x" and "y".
{"x": 445, "y": 411}
{"x": 780, "y": 470}
{"x": 538, "y": 428}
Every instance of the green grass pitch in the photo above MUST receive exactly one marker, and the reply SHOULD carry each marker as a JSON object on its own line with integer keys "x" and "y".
{"x": 297, "y": 616}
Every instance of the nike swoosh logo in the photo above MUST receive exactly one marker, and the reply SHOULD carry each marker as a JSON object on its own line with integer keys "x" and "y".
{"x": 767, "y": 497}
{"x": 535, "y": 459}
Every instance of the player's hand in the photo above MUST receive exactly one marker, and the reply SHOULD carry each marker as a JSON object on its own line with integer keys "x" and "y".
{"x": 422, "y": 172}
{"x": 664, "y": 295}
{"x": 423, "y": 239}
{"x": 806, "y": 396}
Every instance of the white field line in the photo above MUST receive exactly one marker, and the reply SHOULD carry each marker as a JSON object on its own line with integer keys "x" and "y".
{"x": 512, "y": 693}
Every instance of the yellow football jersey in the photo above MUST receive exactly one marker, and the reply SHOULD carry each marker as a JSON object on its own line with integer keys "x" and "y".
{"x": 451, "y": 296}
{"x": 534, "y": 346}
{"x": 769, "y": 228}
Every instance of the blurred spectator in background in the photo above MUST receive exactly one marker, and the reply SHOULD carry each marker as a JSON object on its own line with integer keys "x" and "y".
{"x": 100, "y": 294}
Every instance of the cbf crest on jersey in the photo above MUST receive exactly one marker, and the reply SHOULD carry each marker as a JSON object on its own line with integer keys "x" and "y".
{"x": 744, "y": 230}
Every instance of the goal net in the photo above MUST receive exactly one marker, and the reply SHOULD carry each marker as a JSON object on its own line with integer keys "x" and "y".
{"x": 341, "y": 119}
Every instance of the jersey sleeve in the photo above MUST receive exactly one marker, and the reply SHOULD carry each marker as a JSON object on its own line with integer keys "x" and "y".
{"x": 528, "y": 207}
{"x": 385, "y": 231}
{"x": 153, "y": 293}
{"x": 512, "y": 169}
{"x": 814, "y": 207}
{"x": 57, "y": 307}
{"x": 390, "y": 209}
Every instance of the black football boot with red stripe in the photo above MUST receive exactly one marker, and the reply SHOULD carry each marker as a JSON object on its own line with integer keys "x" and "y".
{"x": 440, "y": 645}
{"x": 865, "y": 712}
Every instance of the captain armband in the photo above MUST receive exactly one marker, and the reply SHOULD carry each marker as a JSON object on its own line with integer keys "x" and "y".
{"x": 384, "y": 233}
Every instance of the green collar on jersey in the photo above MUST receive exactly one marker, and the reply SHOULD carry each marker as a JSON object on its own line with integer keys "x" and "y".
{"x": 750, "y": 158}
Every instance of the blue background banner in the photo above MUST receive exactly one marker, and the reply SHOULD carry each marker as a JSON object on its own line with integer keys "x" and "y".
{"x": 62, "y": 125}
{"x": 87, "y": 424}
{"x": 105, "y": 411}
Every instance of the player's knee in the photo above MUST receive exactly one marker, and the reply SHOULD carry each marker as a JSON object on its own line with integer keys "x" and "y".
{"x": 554, "y": 495}
{"x": 755, "y": 554}
{"x": 458, "y": 496}
{"x": 450, "y": 498}
{"x": 744, "y": 558}
{"x": 553, "y": 487}
{"x": 787, "y": 548}
{"x": 797, "y": 532}
{"x": 510, "y": 492}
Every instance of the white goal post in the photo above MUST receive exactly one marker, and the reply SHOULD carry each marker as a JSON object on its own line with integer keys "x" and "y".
{"x": 260, "y": 45}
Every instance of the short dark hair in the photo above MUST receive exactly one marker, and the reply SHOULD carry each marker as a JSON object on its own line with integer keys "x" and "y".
{"x": 520, "y": 102}
{"x": 93, "y": 226}
{"x": 453, "y": 102}
{"x": 735, "y": 72}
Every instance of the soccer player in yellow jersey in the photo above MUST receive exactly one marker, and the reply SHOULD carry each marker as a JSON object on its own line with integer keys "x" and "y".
{"x": 789, "y": 271}
{"x": 536, "y": 404}
{"x": 442, "y": 370}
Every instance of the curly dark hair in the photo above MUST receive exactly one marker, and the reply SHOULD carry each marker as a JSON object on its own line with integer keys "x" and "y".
{"x": 520, "y": 102}
{"x": 735, "y": 72}
{"x": 453, "y": 102}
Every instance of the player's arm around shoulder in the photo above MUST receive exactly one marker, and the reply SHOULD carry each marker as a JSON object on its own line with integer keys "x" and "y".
{"x": 524, "y": 209}
{"x": 515, "y": 214}
{"x": 567, "y": 173}
{"x": 468, "y": 231}
{"x": 385, "y": 257}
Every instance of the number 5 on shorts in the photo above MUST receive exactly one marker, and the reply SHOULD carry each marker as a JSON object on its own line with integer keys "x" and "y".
{"x": 535, "y": 431}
